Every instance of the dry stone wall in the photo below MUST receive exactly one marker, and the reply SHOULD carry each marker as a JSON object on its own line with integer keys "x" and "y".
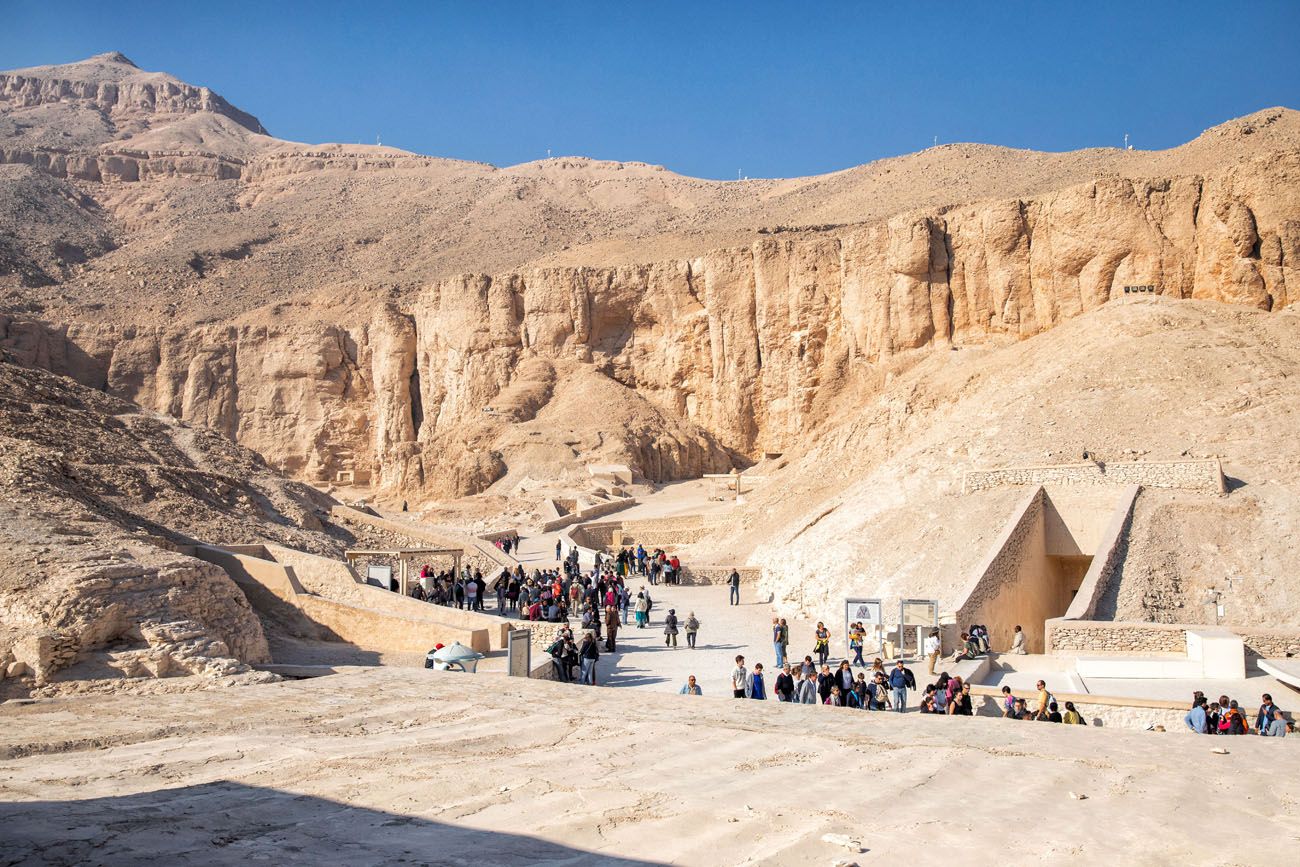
{"x": 1196, "y": 475}
{"x": 1270, "y": 644}
{"x": 1115, "y": 637}
{"x": 721, "y": 575}
{"x": 656, "y": 532}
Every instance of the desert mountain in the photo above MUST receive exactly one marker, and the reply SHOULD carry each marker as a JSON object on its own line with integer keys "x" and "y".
{"x": 443, "y": 328}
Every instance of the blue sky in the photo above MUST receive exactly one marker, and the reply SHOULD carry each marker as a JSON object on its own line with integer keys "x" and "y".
{"x": 707, "y": 89}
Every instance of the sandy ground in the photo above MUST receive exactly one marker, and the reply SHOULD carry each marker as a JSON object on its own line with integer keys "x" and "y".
{"x": 643, "y": 659}
{"x": 384, "y": 766}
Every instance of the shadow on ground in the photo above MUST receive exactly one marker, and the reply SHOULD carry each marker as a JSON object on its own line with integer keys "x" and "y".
{"x": 231, "y": 823}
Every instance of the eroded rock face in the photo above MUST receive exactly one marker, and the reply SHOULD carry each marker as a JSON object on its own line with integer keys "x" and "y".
{"x": 98, "y": 501}
{"x": 115, "y": 87}
{"x": 748, "y": 346}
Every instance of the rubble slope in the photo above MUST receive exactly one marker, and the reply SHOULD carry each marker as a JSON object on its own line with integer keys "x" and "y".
{"x": 96, "y": 498}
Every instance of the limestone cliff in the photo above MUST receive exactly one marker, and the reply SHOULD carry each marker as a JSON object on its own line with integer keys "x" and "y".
{"x": 746, "y": 347}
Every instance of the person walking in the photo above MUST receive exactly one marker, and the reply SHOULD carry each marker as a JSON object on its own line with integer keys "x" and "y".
{"x": 642, "y": 609}
{"x": 825, "y": 680}
{"x": 670, "y": 628}
{"x": 844, "y": 677}
{"x": 757, "y": 685}
{"x": 739, "y": 678}
{"x": 1044, "y": 699}
{"x": 692, "y": 627}
{"x": 611, "y": 627}
{"x": 933, "y": 648}
{"x": 822, "y": 643}
{"x": 780, "y": 640}
{"x": 588, "y": 653}
{"x": 898, "y": 683}
{"x": 690, "y": 687}
{"x": 857, "y": 635}
{"x": 805, "y": 688}
{"x": 556, "y": 651}
{"x": 734, "y": 581}
{"x": 784, "y": 687}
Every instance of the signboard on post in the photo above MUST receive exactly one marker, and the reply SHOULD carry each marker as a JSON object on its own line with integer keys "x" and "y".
{"x": 920, "y": 613}
{"x": 521, "y": 652}
{"x": 868, "y": 613}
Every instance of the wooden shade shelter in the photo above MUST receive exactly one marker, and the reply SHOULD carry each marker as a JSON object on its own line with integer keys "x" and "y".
{"x": 404, "y": 557}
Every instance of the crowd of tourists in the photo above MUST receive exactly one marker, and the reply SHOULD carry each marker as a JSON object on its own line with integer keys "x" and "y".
{"x": 1226, "y": 717}
{"x": 655, "y": 566}
{"x": 465, "y": 589}
{"x": 602, "y": 600}
{"x": 508, "y": 544}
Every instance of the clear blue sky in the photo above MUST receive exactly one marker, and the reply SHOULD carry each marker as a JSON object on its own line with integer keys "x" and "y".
{"x": 705, "y": 88}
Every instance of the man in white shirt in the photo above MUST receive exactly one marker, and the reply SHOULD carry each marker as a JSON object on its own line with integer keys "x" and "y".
{"x": 932, "y": 649}
{"x": 740, "y": 679}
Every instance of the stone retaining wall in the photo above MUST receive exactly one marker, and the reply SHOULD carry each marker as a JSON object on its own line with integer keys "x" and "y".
{"x": 588, "y": 512}
{"x": 1195, "y": 475}
{"x": 660, "y": 532}
{"x": 1134, "y": 638}
{"x": 694, "y": 575}
{"x": 1270, "y": 643}
{"x": 596, "y": 536}
{"x": 1129, "y": 638}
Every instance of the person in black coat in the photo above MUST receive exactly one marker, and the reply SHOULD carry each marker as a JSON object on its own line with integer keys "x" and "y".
{"x": 784, "y": 686}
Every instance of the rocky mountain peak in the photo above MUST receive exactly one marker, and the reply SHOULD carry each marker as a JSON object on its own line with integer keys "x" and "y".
{"x": 114, "y": 57}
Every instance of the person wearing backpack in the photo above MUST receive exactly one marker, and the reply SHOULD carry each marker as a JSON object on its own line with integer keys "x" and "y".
{"x": 642, "y": 609}
{"x": 556, "y": 651}
{"x": 692, "y": 628}
{"x": 1072, "y": 716}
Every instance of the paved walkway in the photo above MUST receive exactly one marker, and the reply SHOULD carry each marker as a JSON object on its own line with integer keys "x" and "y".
{"x": 644, "y": 662}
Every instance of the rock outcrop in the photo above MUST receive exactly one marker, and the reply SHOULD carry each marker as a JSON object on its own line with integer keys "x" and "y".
{"x": 750, "y": 347}
{"x": 117, "y": 89}
{"x": 98, "y": 500}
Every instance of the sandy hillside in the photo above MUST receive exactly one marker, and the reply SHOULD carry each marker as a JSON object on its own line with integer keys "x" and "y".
{"x": 876, "y": 506}
{"x": 382, "y": 766}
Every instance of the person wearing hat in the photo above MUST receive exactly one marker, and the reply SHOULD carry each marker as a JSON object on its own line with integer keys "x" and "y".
{"x": 670, "y": 628}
